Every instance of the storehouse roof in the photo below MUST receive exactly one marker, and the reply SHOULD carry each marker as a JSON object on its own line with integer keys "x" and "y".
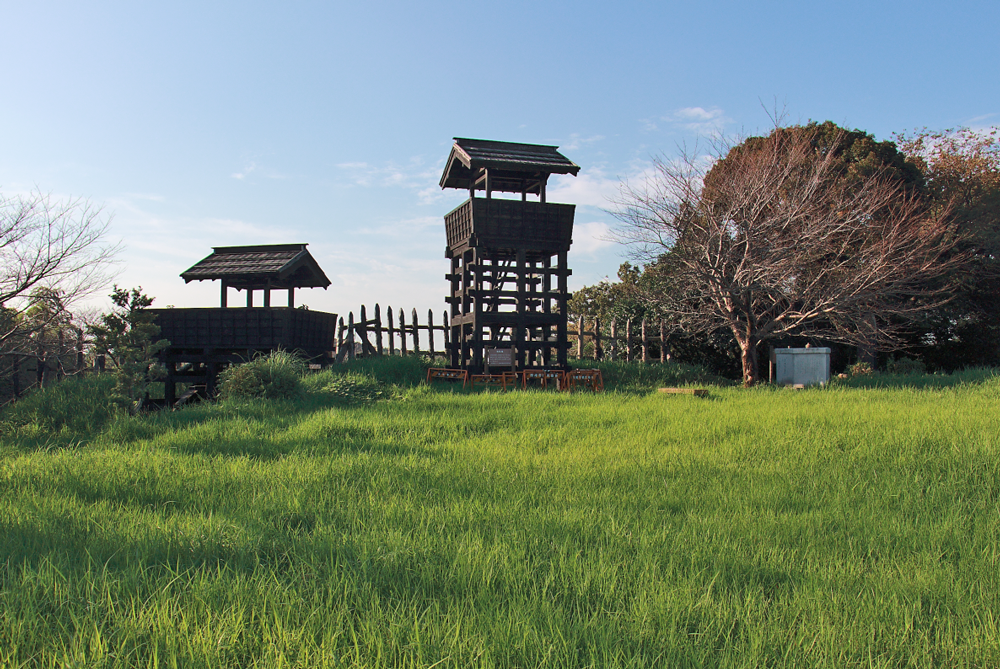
{"x": 277, "y": 265}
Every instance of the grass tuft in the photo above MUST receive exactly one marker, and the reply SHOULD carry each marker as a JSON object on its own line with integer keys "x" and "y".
{"x": 275, "y": 376}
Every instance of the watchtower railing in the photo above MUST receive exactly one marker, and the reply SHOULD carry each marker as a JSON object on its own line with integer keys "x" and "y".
{"x": 495, "y": 223}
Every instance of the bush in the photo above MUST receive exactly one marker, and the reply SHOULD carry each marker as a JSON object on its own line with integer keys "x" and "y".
{"x": 276, "y": 376}
{"x": 905, "y": 366}
{"x": 860, "y": 369}
{"x": 127, "y": 336}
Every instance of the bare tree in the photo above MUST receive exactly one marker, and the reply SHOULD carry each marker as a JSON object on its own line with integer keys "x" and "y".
{"x": 780, "y": 235}
{"x": 52, "y": 252}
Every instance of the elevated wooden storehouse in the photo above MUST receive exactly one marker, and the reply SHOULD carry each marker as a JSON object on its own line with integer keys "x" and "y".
{"x": 204, "y": 340}
{"x": 508, "y": 256}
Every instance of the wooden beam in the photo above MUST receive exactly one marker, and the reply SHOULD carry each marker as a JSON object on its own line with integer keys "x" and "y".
{"x": 697, "y": 392}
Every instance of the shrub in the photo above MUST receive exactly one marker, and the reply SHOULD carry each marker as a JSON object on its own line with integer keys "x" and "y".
{"x": 905, "y": 366}
{"x": 860, "y": 369}
{"x": 275, "y": 376}
{"x": 128, "y": 337}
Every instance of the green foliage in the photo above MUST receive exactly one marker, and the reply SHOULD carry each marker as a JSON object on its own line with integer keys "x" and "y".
{"x": 275, "y": 376}
{"x": 860, "y": 368}
{"x": 79, "y": 406}
{"x": 126, "y": 336}
{"x": 962, "y": 170}
{"x": 905, "y": 365}
{"x": 355, "y": 388}
{"x": 607, "y": 300}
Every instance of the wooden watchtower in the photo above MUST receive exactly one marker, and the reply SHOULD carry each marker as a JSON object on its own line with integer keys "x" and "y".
{"x": 508, "y": 256}
{"x": 204, "y": 340}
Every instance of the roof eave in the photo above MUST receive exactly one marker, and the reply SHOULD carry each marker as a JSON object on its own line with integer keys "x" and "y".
{"x": 456, "y": 153}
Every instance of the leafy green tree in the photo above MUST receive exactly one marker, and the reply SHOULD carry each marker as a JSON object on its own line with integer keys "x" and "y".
{"x": 962, "y": 170}
{"x": 607, "y": 300}
{"x": 127, "y": 336}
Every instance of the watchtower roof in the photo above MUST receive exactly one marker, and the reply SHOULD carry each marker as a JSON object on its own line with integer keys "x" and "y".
{"x": 273, "y": 265}
{"x": 469, "y": 157}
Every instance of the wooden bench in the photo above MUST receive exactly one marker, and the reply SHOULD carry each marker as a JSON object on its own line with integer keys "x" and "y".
{"x": 447, "y": 375}
{"x": 585, "y": 379}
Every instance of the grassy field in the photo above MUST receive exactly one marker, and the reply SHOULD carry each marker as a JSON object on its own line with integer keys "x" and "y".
{"x": 379, "y": 525}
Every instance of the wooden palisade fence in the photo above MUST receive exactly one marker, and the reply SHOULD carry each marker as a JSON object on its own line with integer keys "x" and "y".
{"x": 394, "y": 334}
{"x": 629, "y": 340}
{"x": 39, "y": 359}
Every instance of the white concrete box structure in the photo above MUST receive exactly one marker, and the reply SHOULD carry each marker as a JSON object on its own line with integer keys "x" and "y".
{"x": 800, "y": 366}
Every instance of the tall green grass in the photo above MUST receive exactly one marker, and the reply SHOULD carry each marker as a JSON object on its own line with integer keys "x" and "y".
{"x": 835, "y": 527}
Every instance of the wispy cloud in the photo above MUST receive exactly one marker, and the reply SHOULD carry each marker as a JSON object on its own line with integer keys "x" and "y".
{"x": 710, "y": 121}
{"x": 700, "y": 120}
{"x": 247, "y": 169}
{"x": 576, "y": 141}
{"x": 591, "y": 237}
{"x": 590, "y": 188}
{"x": 649, "y": 124}
{"x": 407, "y": 228}
{"x": 149, "y": 197}
{"x": 417, "y": 174}
{"x": 254, "y": 167}
{"x": 980, "y": 119}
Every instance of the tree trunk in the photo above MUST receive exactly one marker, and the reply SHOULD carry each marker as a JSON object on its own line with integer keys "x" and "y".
{"x": 748, "y": 356}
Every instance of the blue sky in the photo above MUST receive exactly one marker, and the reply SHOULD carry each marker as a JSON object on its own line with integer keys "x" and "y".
{"x": 210, "y": 124}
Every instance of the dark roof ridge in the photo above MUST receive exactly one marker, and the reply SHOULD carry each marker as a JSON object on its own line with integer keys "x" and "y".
{"x": 259, "y": 248}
